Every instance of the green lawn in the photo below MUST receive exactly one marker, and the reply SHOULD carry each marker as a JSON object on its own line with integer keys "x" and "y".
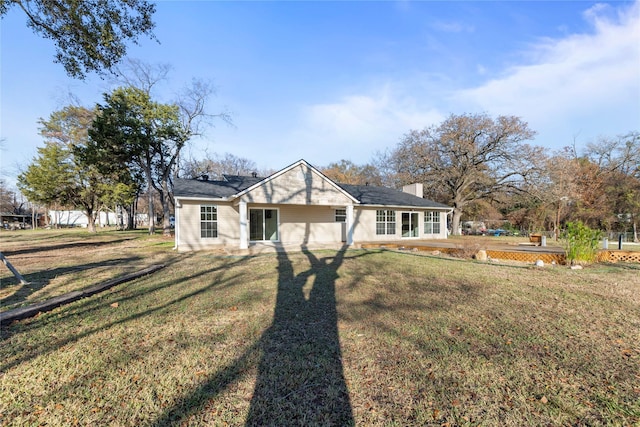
{"x": 318, "y": 338}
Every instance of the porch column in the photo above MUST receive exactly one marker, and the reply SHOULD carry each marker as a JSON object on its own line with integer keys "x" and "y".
{"x": 244, "y": 241}
{"x": 349, "y": 224}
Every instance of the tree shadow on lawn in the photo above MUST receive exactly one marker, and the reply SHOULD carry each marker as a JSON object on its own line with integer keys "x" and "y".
{"x": 300, "y": 378}
{"x": 72, "y": 245}
{"x": 41, "y": 279}
{"x": 84, "y": 307}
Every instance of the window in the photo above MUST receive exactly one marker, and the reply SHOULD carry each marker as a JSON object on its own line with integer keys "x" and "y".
{"x": 208, "y": 221}
{"x": 341, "y": 215}
{"x": 385, "y": 222}
{"x": 432, "y": 223}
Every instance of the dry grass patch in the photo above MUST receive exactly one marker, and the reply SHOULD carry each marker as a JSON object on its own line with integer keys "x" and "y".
{"x": 334, "y": 338}
{"x": 58, "y": 261}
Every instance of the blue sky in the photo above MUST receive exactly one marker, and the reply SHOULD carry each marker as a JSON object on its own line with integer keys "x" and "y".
{"x": 326, "y": 81}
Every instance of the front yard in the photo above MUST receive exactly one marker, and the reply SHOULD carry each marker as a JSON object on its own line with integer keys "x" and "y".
{"x": 316, "y": 338}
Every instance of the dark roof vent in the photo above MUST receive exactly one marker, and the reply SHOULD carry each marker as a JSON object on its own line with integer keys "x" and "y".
{"x": 254, "y": 174}
{"x": 205, "y": 177}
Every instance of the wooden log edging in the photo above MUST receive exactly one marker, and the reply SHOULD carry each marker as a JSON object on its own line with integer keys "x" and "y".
{"x": 9, "y": 316}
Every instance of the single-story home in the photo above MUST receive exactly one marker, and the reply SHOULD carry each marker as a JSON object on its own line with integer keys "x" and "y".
{"x": 299, "y": 206}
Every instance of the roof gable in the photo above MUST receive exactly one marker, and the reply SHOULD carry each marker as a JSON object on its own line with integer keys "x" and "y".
{"x": 299, "y": 184}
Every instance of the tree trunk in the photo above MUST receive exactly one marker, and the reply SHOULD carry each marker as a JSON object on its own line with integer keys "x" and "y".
{"x": 91, "y": 220}
{"x": 455, "y": 221}
{"x": 131, "y": 215}
{"x": 166, "y": 209}
{"x": 151, "y": 212}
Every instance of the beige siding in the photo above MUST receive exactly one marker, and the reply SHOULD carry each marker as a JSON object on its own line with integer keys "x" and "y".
{"x": 298, "y": 225}
{"x": 305, "y": 224}
{"x": 298, "y": 186}
{"x": 189, "y": 226}
{"x": 365, "y": 226}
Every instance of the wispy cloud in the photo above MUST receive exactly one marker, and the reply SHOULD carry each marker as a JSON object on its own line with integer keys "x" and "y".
{"x": 579, "y": 75}
{"x": 360, "y": 124}
{"x": 453, "y": 27}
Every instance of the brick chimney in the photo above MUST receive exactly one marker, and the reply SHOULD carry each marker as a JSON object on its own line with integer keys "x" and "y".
{"x": 416, "y": 189}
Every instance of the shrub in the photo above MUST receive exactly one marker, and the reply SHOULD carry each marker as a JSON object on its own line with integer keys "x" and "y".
{"x": 581, "y": 243}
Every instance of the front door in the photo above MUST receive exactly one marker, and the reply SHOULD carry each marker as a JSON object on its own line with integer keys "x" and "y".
{"x": 410, "y": 224}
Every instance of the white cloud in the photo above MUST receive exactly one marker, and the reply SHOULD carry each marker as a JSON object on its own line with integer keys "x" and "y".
{"x": 581, "y": 76}
{"x": 358, "y": 125}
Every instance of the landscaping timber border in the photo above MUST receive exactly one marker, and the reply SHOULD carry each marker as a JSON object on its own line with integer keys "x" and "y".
{"x": 9, "y": 316}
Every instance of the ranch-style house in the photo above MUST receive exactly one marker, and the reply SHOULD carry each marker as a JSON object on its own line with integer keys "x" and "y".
{"x": 299, "y": 206}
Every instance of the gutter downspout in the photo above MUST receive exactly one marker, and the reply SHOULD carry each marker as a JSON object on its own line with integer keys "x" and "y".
{"x": 176, "y": 229}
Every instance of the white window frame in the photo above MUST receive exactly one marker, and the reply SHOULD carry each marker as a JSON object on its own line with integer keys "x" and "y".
{"x": 432, "y": 222}
{"x": 341, "y": 215}
{"x": 385, "y": 222}
{"x": 211, "y": 218}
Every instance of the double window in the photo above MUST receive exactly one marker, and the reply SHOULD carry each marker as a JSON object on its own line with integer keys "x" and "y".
{"x": 208, "y": 221}
{"x": 385, "y": 222}
{"x": 432, "y": 222}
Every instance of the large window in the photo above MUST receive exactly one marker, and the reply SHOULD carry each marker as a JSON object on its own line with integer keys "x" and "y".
{"x": 432, "y": 223}
{"x": 385, "y": 222}
{"x": 208, "y": 221}
{"x": 263, "y": 224}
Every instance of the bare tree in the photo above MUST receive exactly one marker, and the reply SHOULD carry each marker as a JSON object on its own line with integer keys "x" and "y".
{"x": 466, "y": 158}
{"x": 347, "y": 172}
{"x": 193, "y": 121}
{"x": 215, "y": 166}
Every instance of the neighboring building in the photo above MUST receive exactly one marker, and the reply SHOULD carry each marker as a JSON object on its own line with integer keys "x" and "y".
{"x": 299, "y": 206}
{"x": 73, "y": 218}
{"x": 12, "y": 221}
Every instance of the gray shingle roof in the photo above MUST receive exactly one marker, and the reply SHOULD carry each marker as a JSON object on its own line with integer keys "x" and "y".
{"x": 212, "y": 189}
{"x": 365, "y": 194}
{"x": 372, "y": 195}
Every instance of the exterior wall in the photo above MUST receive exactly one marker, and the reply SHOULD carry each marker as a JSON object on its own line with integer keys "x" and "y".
{"x": 298, "y": 186}
{"x": 305, "y": 224}
{"x": 365, "y": 225}
{"x": 297, "y": 225}
{"x": 189, "y": 226}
